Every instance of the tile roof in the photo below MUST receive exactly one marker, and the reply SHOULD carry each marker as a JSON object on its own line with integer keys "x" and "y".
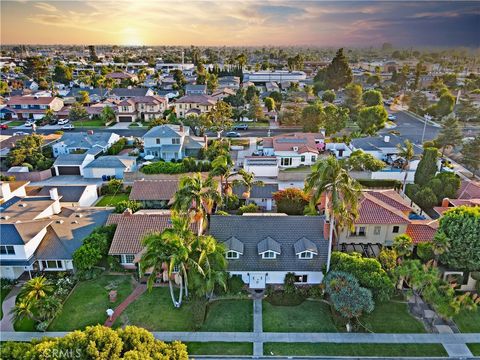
{"x": 422, "y": 230}
{"x": 30, "y": 100}
{"x": 197, "y": 99}
{"x": 286, "y": 142}
{"x": 375, "y": 211}
{"x": 469, "y": 189}
{"x": 392, "y": 198}
{"x": 154, "y": 189}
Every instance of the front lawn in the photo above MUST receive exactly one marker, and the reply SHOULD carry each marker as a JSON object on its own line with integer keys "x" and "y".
{"x": 474, "y": 348}
{"x": 89, "y": 123}
{"x": 468, "y": 321}
{"x": 88, "y": 303}
{"x": 154, "y": 311}
{"x": 335, "y": 349}
{"x": 219, "y": 348}
{"x": 112, "y": 200}
{"x": 15, "y": 123}
{"x": 4, "y": 291}
{"x": 309, "y": 316}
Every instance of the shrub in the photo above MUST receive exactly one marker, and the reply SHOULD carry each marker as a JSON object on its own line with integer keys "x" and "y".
{"x": 231, "y": 202}
{"x": 425, "y": 251}
{"x": 291, "y": 201}
{"x": 289, "y": 283}
{"x": 316, "y": 292}
{"x": 222, "y": 213}
{"x": 117, "y": 146}
{"x": 388, "y": 259}
{"x": 7, "y": 178}
{"x": 378, "y": 183}
{"x": 281, "y": 298}
{"x": 127, "y": 204}
{"x": 235, "y": 285}
{"x": 95, "y": 246}
{"x": 250, "y": 208}
{"x": 162, "y": 167}
{"x": 113, "y": 187}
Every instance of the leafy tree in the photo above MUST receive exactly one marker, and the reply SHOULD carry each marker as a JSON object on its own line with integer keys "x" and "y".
{"x": 372, "y": 118}
{"x": 291, "y": 201}
{"x": 29, "y": 150}
{"x": 220, "y": 118}
{"x": 450, "y": 134}
{"x": 255, "y": 110}
{"x": 251, "y": 92}
{"x": 467, "y": 111}
{"x": 121, "y": 206}
{"x": 461, "y": 227}
{"x": 269, "y": 103}
{"x": 403, "y": 244}
{"x": 368, "y": 271}
{"x": 444, "y": 185}
{"x": 212, "y": 83}
{"x": 247, "y": 180}
{"x": 328, "y": 95}
{"x": 107, "y": 115}
{"x": 362, "y": 161}
{"x": 291, "y": 114}
{"x": 425, "y": 251}
{"x": 427, "y": 167}
{"x": 335, "y": 119}
{"x": 353, "y": 99}
{"x": 179, "y": 78}
{"x": 470, "y": 152}
{"x": 445, "y": 105}
{"x": 4, "y": 88}
{"x": 372, "y": 98}
{"x": 277, "y": 97}
{"x": 62, "y": 74}
{"x": 77, "y": 112}
{"x": 312, "y": 116}
{"x": 417, "y": 102}
{"x": 338, "y": 73}
{"x": 35, "y": 67}
{"x": 388, "y": 259}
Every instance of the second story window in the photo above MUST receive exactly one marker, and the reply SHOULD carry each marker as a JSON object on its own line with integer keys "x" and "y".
{"x": 302, "y": 158}
{"x": 7, "y": 250}
{"x": 157, "y": 141}
{"x": 269, "y": 255}
{"x": 232, "y": 255}
{"x": 396, "y": 229}
{"x": 176, "y": 141}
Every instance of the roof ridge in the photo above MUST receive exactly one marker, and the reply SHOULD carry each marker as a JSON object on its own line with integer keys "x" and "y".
{"x": 385, "y": 206}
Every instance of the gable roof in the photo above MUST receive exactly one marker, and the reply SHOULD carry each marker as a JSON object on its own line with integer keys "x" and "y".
{"x": 30, "y": 100}
{"x": 375, "y": 211}
{"x": 22, "y": 232}
{"x": 286, "y": 142}
{"x": 197, "y": 99}
{"x": 469, "y": 189}
{"x": 111, "y": 162}
{"x": 154, "y": 189}
{"x": 167, "y": 131}
{"x": 422, "y": 230}
{"x": 86, "y": 141}
{"x": 234, "y": 244}
{"x": 268, "y": 244}
{"x": 70, "y": 159}
{"x": 390, "y": 197}
{"x": 303, "y": 245}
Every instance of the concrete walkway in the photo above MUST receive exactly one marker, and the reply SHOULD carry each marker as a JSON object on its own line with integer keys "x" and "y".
{"x": 139, "y": 290}
{"x": 257, "y": 326}
{"x": 6, "y": 324}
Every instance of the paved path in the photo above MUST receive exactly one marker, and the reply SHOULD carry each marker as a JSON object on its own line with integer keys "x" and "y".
{"x": 139, "y": 290}
{"x": 257, "y": 327}
{"x": 6, "y": 324}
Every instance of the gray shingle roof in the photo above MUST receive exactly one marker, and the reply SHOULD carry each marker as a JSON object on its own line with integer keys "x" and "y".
{"x": 234, "y": 244}
{"x": 86, "y": 141}
{"x": 286, "y": 230}
{"x": 268, "y": 244}
{"x": 111, "y": 162}
{"x": 70, "y": 159}
{"x": 373, "y": 143}
{"x": 69, "y": 193}
{"x": 303, "y": 245}
{"x": 168, "y": 131}
{"x": 257, "y": 192}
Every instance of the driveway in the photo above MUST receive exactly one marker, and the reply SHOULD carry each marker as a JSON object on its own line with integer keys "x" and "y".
{"x": 121, "y": 126}
{"x": 67, "y": 180}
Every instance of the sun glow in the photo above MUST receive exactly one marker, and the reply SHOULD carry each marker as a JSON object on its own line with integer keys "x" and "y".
{"x": 131, "y": 37}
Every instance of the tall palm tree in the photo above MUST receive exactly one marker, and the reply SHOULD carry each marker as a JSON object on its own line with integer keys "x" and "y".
{"x": 248, "y": 181}
{"x": 36, "y": 289}
{"x": 197, "y": 197}
{"x": 408, "y": 154}
{"x": 223, "y": 166}
{"x": 440, "y": 245}
{"x": 342, "y": 193}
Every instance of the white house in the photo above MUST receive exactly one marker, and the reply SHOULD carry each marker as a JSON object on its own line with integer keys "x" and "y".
{"x": 94, "y": 143}
{"x": 72, "y": 164}
{"x": 259, "y": 195}
{"x": 110, "y": 166}
{"x": 262, "y": 166}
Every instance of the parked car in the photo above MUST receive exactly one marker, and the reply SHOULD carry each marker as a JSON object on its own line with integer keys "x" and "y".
{"x": 3, "y": 126}
{"x": 240, "y": 127}
{"x": 53, "y": 122}
{"x": 392, "y": 117}
{"x": 20, "y": 133}
{"x": 257, "y": 153}
{"x": 63, "y": 121}
{"x": 68, "y": 127}
{"x": 232, "y": 134}
{"x": 29, "y": 123}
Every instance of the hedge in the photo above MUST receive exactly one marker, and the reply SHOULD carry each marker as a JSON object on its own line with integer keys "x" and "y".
{"x": 379, "y": 183}
{"x": 187, "y": 165}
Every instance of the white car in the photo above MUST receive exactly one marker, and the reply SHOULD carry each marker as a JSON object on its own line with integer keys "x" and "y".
{"x": 20, "y": 133}
{"x": 392, "y": 117}
{"x": 29, "y": 123}
{"x": 68, "y": 127}
{"x": 62, "y": 121}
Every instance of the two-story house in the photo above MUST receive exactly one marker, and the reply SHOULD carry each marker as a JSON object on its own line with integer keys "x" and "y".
{"x": 141, "y": 108}
{"x": 194, "y": 105}
{"x": 195, "y": 89}
{"x": 33, "y": 107}
{"x": 169, "y": 142}
{"x": 120, "y": 76}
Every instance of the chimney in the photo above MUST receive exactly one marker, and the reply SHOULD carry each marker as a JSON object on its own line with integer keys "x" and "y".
{"x": 446, "y": 202}
{"x": 5, "y": 190}
{"x": 386, "y": 138}
{"x": 54, "y": 193}
{"x": 181, "y": 127}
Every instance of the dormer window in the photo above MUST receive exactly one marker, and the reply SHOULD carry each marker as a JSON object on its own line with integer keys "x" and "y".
{"x": 306, "y": 255}
{"x": 234, "y": 248}
{"x": 305, "y": 248}
{"x": 231, "y": 255}
{"x": 269, "y": 255}
{"x": 269, "y": 248}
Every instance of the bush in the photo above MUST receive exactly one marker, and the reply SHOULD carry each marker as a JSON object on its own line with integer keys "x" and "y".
{"x": 281, "y": 298}
{"x": 250, "y": 208}
{"x": 316, "y": 292}
{"x": 235, "y": 285}
{"x": 162, "y": 167}
{"x": 128, "y": 204}
{"x": 95, "y": 246}
{"x": 7, "y": 178}
{"x": 231, "y": 202}
{"x": 376, "y": 183}
{"x": 117, "y": 147}
{"x": 291, "y": 201}
{"x": 222, "y": 213}
{"x": 289, "y": 283}
{"x": 425, "y": 251}
{"x": 113, "y": 187}
{"x": 114, "y": 264}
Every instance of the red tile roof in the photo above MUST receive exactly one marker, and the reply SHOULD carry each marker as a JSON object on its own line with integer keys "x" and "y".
{"x": 30, "y": 100}
{"x": 392, "y": 198}
{"x": 154, "y": 189}
{"x": 469, "y": 190}
{"x": 197, "y": 99}
{"x": 375, "y": 211}
{"x": 422, "y": 230}
{"x": 286, "y": 142}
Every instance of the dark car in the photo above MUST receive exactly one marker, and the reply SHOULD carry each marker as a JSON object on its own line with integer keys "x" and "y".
{"x": 240, "y": 127}
{"x": 232, "y": 134}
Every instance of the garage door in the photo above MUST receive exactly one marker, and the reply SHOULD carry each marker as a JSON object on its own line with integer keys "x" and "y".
{"x": 125, "y": 118}
{"x": 68, "y": 170}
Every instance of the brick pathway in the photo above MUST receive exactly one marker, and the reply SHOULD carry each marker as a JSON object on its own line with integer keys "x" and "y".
{"x": 139, "y": 290}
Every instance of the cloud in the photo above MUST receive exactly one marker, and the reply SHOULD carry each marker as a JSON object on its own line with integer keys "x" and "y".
{"x": 46, "y": 7}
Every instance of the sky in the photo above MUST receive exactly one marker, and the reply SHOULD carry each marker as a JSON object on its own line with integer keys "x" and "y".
{"x": 241, "y": 23}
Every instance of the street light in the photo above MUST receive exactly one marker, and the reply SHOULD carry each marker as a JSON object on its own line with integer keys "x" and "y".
{"x": 426, "y": 117}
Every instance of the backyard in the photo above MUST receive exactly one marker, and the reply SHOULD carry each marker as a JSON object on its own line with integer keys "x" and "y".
{"x": 111, "y": 200}
{"x": 154, "y": 311}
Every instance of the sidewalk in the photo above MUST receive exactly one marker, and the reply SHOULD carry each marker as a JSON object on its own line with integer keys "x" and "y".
{"x": 6, "y": 324}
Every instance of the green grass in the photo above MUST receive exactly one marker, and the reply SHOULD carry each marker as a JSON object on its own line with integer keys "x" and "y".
{"x": 219, "y": 348}
{"x": 474, "y": 348}
{"x": 309, "y": 316}
{"x": 88, "y": 303}
{"x": 89, "y": 123}
{"x": 298, "y": 169}
{"x": 15, "y": 123}
{"x": 392, "y": 317}
{"x": 240, "y": 142}
{"x": 468, "y": 321}
{"x": 111, "y": 200}
{"x": 24, "y": 325}
{"x": 154, "y": 311}
{"x": 3, "y": 294}
{"x": 335, "y": 349}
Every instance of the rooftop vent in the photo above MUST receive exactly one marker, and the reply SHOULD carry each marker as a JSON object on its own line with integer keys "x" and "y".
{"x": 79, "y": 215}
{"x": 5, "y": 217}
{"x": 22, "y": 205}
{"x": 75, "y": 222}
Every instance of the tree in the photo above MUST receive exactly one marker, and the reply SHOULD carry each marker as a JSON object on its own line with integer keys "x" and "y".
{"x": 427, "y": 167}
{"x": 445, "y": 105}
{"x": 255, "y": 110}
{"x": 362, "y": 161}
{"x": 312, "y": 116}
{"x": 353, "y": 99}
{"x": 328, "y": 95}
{"x": 220, "y": 117}
{"x": 372, "y": 98}
{"x": 335, "y": 119}
{"x": 251, "y": 92}
{"x": 388, "y": 259}
{"x": 62, "y": 74}
{"x": 372, "y": 118}
{"x": 461, "y": 227}
{"x": 107, "y": 115}
{"x": 269, "y": 103}
{"x": 308, "y": 89}
{"x": 470, "y": 152}
{"x": 77, "y": 112}
{"x": 179, "y": 78}
{"x": 439, "y": 245}
{"x": 467, "y": 111}
{"x": 277, "y": 97}
{"x": 417, "y": 102}
{"x": 407, "y": 153}
{"x": 35, "y": 67}
{"x": 247, "y": 181}
{"x": 291, "y": 201}
{"x": 347, "y": 296}
{"x": 402, "y": 244}
{"x": 29, "y": 150}
{"x": 341, "y": 191}
{"x": 36, "y": 289}
{"x": 223, "y": 166}
{"x": 450, "y": 134}
{"x": 4, "y": 88}
{"x": 338, "y": 73}
{"x": 212, "y": 83}
{"x": 444, "y": 185}
{"x": 291, "y": 114}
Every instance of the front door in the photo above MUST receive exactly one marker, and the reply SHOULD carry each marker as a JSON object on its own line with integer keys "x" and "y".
{"x": 257, "y": 280}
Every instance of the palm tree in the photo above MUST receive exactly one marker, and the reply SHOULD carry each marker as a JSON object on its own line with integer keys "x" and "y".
{"x": 223, "y": 166}
{"x": 407, "y": 153}
{"x": 440, "y": 245}
{"x": 342, "y": 193}
{"x": 197, "y": 197}
{"x": 247, "y": 181}
{"x": 36, "y": 289}
{"x": 23, "y": 309}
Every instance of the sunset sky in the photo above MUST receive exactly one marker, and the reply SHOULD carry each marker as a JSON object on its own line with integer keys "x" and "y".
{"x": 147, "y": 22}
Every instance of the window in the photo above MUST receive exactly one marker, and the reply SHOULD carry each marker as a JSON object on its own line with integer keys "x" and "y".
{"x": 301, "y": 278}
{"x": 129, "y": 258}
{"x": 52, "y": 264}
{"x": 359, "y": 231}
{"x": 286, "y": 161}
{"x": 302, "y": 158}
{"x": 396, "y": 229}
{"x": 157, "y": 141}
{"x": 314, "y": 158}
{"x": 7, "y": 250}
{"x": 232, "y": 255}
{"x": 305, "y": 255}
{"x": 269, "y": 255}
{"x": 176, "y": 141}
{"x": 376, "y": 230}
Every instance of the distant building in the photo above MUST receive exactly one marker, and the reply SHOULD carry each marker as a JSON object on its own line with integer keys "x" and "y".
{"x": 195, "y": 89}
{"x": 94, "y": 143}
{"x": 278, "y": 76}
{"x": 33, "y": 107}
{"x": 194, "y": 105}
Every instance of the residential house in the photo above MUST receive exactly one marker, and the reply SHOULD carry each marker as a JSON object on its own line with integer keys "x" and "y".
{"x": 108, "y": 166}
{"x": 31, "y": 85}
{"x": 340, "y": 150}
{"x": 448, "y": 204}
{"x": 154, "y": 194}
{"x": 295, "y": 149}
{"x": 384, "y": 148}
{"x": 195, "y": 89}
{"x": 469, "y": 189}
{"x": 33, "y": 107}
{"x": 223, "y": 93}
{"x": 10, "y": 189}
{"x": 94, "y": 143}
{"x": 278, "y": 76}
{"x": 229, "y": 82}
{"x": 194, "y": 105}
{"x": 142, "y": 108}
{"x": 129, "y": 92}
{"x": 169, "y": 142}
{"x": 39, "y": 235}
{"x": 259, "y": 195}
{"x": 271, "y": 247}
{"x": 95, "y": 94}
{"x": 70, "y": 195}
{"x": 120, "y": 76}
{"x": 262, "y": 166}
{"x": 72, "y": 164}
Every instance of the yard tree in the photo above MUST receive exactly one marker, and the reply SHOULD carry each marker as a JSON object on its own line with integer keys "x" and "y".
{"x": 179, "y": 78}
{"x": 4, "y": 89}
{"x": 450, "y": 134}
{"x": 362, "y": 161}
{"x": 250, "y": 93}
{"x": 328, "y": 96}
{"x": 269, "y": 103}
{"x": 467, "y": 111}
{"x": 35, "y": 67}
{"x": 388, "y": 258}
{"x": 107, "y": 115}
{"x": 371, "y": 119}
{"x": 445, "y": 105}
{"x": 372, "y": 98}
{"x": 291, "y": 201}
{"x": 221, "y": 117}
{"x": 255, "y": 110}
{"x": 335, "y": 119}
{"x": 29, "y": 150}
{"x": 470, "y": 151}
{"x": 277, "y": 97}
{"x": 402, "y": 244}
{"x": 77, "y": 112}
{"x": 62, "y": 74}
{"x": 212, "y": 83}
{"x": 427, "y": 167}
{"x": 353, "y": 99}
{"x": 407, "y": 153}
{"x": 374, "y": 79}
{"x": 461, "y": 226}
{"x": 444, "y": 185}
{"x": 417, "y": 102}
{"x": 291, "y": 114}
{"x": 312, "y": 116}
{"x": 338, "y": 73}
{"x": 308, "y": 89}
